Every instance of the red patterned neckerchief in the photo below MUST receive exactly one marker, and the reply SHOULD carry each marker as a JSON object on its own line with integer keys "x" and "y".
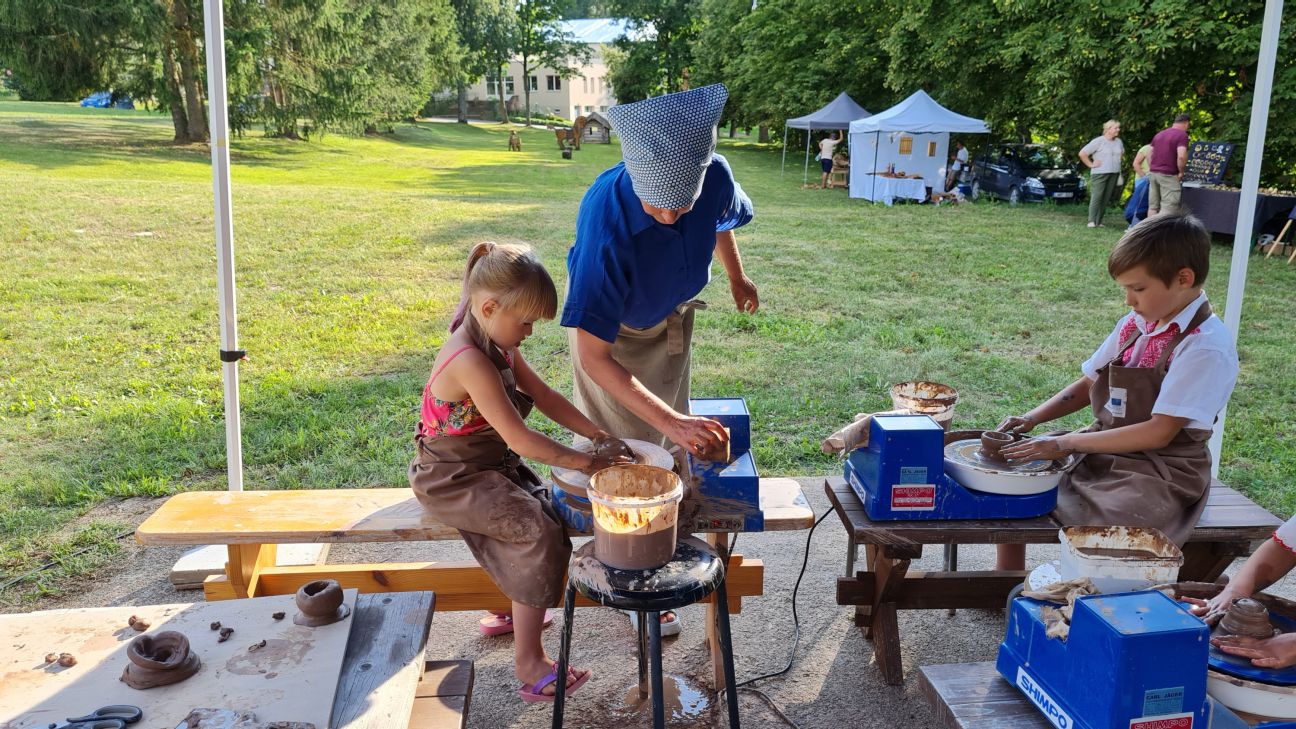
{"x": 1155, "y": 346}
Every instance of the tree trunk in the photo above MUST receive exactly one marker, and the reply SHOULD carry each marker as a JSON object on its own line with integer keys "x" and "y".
{"x": 178, "y": 119}
{"x": 733, "y": 129}
{"x": 463, "y": 103}
{"x": 526, "y": 89}
{"x": 764, "y": 134}
{"x": 187, "y": 55}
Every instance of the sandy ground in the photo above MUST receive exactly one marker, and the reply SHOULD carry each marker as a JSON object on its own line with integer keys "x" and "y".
{"x": 832, "y": 685}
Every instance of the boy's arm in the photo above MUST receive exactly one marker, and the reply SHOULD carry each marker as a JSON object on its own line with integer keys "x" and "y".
{"x": 1149, "y": 435}
{"x": 551, "y": 402}
{"x": 1070, "y": 399}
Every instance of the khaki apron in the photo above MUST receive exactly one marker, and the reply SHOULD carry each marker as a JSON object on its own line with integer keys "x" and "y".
{"x": 475, "y": 484}
{"x": 1165, "y": 489}
{"x": 658, "y": 356}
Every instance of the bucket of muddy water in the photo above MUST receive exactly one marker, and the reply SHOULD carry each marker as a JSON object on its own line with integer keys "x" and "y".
{"x": 1117, "y": 558}
{"x": 926, "y": 398}
{"x": 636, "y": 509}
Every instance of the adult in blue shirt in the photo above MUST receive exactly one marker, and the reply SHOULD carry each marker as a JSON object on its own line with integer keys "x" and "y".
{"x": 645, "y": 236}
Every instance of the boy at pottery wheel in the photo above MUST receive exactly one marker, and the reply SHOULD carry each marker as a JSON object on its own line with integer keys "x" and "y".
{"x": 1155, "y": 386}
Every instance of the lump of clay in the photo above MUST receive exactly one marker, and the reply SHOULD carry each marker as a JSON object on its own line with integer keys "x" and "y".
{"x": 320, "y": 603}
{"x": 992, "y": 441}
{"x": 1246, "y": 618}
{"x": 159, "y": 659}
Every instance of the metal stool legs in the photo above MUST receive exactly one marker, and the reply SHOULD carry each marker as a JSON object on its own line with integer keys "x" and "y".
{"x": 564, "y": 652}
{"x": 726, "y": 651}
{"x": 655, "y": 656}
{"x": 641, "y": 649}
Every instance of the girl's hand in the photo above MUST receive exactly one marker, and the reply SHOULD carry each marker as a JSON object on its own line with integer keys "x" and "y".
{"x": 697, "y": 435}
{"x": 1017, "y": 424}
{"x": 1276, "y": 652}
{"x": 598, "y": 463}
{"x": 1042, "y": 448}
{"x": 606, "y": 444}
{"x": 1210, "y": 611}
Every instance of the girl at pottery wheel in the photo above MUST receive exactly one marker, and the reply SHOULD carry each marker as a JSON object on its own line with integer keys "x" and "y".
{"x": 468, "y": 472}
{"x": 1156, "y": 386}
{"x": 1270, "y": 563}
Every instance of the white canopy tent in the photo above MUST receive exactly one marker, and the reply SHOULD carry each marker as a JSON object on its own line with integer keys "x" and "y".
{"x": 218, "y": 119}
{"x": 913, "y": 135}
{"x": 837, "y": 114}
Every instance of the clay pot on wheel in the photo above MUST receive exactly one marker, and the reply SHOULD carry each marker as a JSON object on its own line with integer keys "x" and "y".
{"x": 992, "y": 441}
{"x": 159, "y": 659}
{"x": 1246, "y": 618}
{"x": 320, "y": 603}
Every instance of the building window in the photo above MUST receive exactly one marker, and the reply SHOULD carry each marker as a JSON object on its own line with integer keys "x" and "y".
{"x": 906, "y": 145}
{"x": 492, "y": 86}
{"x": 509, "y": 89}
{"x": 575, "y": 112}
{"x": 603, "y": 107}
{"x": 554, "y": 83}
{"x": 535, "y": 82}
{"x": 602, "y": 84}
{"x": 589, "y": 109}
{"x": 931, "y": 149}
{"x": 585, "y": 84}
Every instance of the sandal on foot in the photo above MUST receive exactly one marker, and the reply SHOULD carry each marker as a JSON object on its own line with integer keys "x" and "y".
{"x": 534, "y": 693}
{"x": 499, "y": 624}
{"x": 668, "y": 627}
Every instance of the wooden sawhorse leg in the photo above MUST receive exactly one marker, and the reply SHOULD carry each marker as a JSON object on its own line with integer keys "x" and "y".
{"x": 244, "y": 567}
{"x": 889, "y": 564}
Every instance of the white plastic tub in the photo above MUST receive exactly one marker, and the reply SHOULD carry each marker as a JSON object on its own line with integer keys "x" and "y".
{"x": 1119, "y": 559}
{"x": 636, "y": 514}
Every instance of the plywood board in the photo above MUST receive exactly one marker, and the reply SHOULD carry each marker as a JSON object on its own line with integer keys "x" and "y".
{"x": 293, "y": 678}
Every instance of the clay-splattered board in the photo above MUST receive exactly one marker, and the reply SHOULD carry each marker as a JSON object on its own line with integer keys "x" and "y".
{"x": 293, "y": 678}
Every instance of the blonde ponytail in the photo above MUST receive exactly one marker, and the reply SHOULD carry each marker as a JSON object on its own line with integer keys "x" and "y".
{"x": 513, "y": 275}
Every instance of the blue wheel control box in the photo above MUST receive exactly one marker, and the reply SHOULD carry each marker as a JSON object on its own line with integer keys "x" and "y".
{"x": 728, "y": 493}
{"x": 731, "y": 412}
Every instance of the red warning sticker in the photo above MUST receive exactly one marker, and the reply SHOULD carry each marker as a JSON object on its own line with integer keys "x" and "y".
{"x": 913, "y": 498}
{"x": 1169, "y": 721}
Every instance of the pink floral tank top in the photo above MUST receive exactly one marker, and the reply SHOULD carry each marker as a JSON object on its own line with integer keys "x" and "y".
{"x": 451, "y": 417}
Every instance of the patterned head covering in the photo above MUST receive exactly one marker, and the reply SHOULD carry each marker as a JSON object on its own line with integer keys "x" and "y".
{"x": 667, "y": 143}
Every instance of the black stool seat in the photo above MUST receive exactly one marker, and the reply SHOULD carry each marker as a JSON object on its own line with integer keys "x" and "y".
{"x": 693, "y": 573}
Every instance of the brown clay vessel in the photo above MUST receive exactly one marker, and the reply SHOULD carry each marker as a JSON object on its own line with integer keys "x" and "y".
{"x": 992, "y": 441}
{"x": 159, "y": 659}
{"x": 1247, "y": 618}
{"x": 320, "y": 603}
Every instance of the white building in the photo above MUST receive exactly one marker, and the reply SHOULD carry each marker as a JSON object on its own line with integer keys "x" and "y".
{"x": 571, "y": 97}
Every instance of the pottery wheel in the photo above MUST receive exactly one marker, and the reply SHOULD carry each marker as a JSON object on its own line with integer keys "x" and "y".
{"x": 968, "y": 452}
{"x": 574, "y": 481}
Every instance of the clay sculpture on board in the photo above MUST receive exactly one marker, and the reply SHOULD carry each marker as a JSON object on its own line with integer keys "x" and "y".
{"x": 159, "y": 659}
{"x": 320, "y": 603}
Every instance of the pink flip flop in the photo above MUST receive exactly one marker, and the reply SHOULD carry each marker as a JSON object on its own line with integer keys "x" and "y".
{"x": 498, "y": 624}
{"x": 533, "y": 693}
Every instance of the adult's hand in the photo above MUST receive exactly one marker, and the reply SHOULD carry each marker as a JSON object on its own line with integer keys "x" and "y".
{"x": 1017, "y": 424}
{"x": 1042, "y": 448}
{"x": 696, "y": 434}
{"x": 1276, "y": 652}
{"x": 744, "y": 294}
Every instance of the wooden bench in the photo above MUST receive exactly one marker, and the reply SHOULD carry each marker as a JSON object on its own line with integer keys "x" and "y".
{"x": 1227, "y": 529}
{"x": 442, "y": 696}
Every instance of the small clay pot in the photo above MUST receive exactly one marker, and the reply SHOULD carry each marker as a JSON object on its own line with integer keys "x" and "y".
{"x": 992, "y": 441}
{"x": 1247, "y": 618}
{"x": 320, "y": 603}
{"x": 159, "y": 659}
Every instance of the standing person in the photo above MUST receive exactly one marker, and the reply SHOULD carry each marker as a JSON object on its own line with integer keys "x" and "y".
{"x": 1142, "y": 162}
{"x": 646, "y": 233}
{"x": 957, "y": 165}
{"x": 826, "y": 147}
{"x": 1103, "y": 156}
{"x": 1156, "y": 386}
{"x": 1136, "y": 210}
{"x": 467, "y": 471}
{"x": 1169, "y": 159}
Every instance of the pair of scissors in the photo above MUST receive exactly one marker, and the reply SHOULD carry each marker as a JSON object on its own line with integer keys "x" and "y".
{"x": 115, "y": 716}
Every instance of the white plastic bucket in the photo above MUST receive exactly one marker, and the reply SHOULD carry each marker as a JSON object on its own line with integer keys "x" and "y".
{"x": 636, "y": 513}
{"x": 1119, "y": 559}
{"x": 926, "y": 398}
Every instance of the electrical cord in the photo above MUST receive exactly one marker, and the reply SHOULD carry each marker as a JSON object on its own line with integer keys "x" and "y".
{"x": 56, "y": 562}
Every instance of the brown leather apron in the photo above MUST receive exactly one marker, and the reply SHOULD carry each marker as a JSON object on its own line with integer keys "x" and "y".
{"x": 475, "y": 484}
{"x": 1165, "y": 489}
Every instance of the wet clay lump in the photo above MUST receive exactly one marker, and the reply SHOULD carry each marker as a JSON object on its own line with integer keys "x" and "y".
{"x": 1246, "y": 618}
{"x": 159, "y": 659}
{"x": 320, "y": 603}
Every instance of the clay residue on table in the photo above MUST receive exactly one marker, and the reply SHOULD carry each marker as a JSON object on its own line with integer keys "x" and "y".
{"x": 278, "y": 655}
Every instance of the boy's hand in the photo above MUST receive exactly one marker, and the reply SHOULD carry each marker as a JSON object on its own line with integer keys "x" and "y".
{"x": 1276, "y": 652}
{"x": 1017, "y": 424}
{"x": 1043, "y": 448}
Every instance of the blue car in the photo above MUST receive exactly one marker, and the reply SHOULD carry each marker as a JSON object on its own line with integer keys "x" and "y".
{"x": 1026, "y": 173}
{"x": 104, "y": 100}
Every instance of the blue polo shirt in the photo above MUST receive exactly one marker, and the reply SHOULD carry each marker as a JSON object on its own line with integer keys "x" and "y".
{"x": 627, "y": 268}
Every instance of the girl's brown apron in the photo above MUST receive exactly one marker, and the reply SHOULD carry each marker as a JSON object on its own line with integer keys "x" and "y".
{"x": 1165, "y": 489}
{"x": 475, "y": 484}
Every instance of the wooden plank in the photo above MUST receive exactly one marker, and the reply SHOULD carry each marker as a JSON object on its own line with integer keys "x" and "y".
{"x": 245, "y": 564}
{"x": 446, "y": 678}
{"x": 784, "y": 505}
{"x": 384, "y": 661}
{"x": 934, "y": 590}
{"x": 720, "y": 543}
{"x": 458, "y": 585}
{"x": 439, "y": 712}
{"x": 975, "y": 696}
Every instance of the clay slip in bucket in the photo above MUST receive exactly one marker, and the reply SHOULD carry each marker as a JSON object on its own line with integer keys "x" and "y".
{"x": 636, "y": 509}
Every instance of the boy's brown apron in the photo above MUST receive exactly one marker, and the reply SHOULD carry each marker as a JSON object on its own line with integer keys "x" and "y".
{"x": 1165, "y": 489}
{"x": 475, "y": 484}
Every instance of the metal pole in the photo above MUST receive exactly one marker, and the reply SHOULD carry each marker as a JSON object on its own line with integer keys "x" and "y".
{"x": 805, "y": 170}
{"x": 1250, "y": 184}
{"x": 783, "y": 166}
{"x": 877, "y": 142}
{"x": 218, "y": 121}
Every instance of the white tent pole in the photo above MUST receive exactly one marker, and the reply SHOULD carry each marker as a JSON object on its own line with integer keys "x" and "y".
{"x": 1250, "y": 185}
{"x": 783, "y": 166}
{"x": 805, "y": 170}
{"x": 218, "y": 122}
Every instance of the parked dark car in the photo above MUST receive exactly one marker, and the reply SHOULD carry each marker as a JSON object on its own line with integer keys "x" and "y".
{"x": 1026, "y": 173}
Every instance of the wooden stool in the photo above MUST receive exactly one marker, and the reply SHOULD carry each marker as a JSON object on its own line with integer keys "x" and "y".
{"x": 694, "y": 572}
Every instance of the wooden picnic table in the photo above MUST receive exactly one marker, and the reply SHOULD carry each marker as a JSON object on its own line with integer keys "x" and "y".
{"x": 1226, "y": 531}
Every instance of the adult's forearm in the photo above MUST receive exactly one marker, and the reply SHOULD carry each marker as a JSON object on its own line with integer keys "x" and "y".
{"x": 560, "y": 410}
{"x": 617, "y": 381}
{"x": 726, "y": 249}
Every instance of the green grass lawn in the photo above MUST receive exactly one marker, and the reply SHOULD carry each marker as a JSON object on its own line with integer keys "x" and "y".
{"x": 349, "y": 252}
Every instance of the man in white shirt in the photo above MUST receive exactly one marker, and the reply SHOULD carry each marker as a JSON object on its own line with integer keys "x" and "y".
{"x": 957, "y": 166}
